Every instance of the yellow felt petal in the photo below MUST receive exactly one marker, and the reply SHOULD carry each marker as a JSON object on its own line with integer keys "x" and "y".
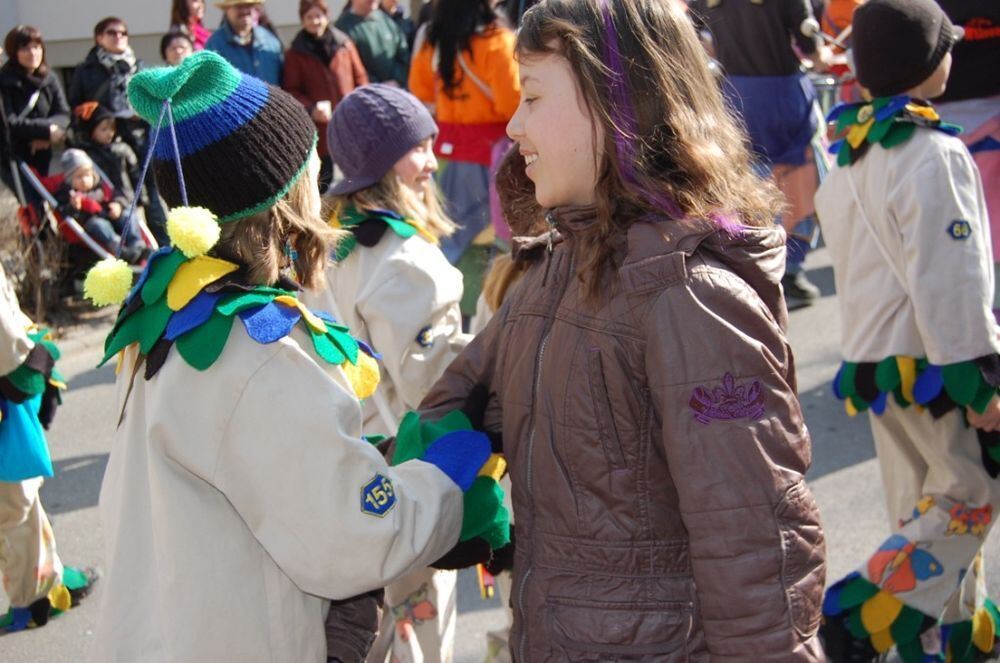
{"x": 193, "y": 276}
{"x": 423, "y": 232}
{"x": 334, "y": 221}
{"x": 983, "y": 631}
{"x": 859, "y": 132}
{"x": 879, "y": 612}
{"x": 58, "y": 384}
{"x": 119, "y": 358}
{"x": 364, "y": 377}
{"x": 907, "y": 376}
{"x": 882, "y": 641}
{"x": 60, "y": 599}
{"x": 851, "y": 410}
{"x": 311, "y": 318}
{"x": 925, "y": 112}
{"x": 494, "y": 467}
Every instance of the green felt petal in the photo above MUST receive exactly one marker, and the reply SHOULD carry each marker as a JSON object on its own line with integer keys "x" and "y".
{"x": 961, "y": 381}
{"x": 984, "y": 395}
{"x": 848, "y": 117}
{"x": 484, "y": 513}
{"x": 344, "y": 247}
{"x": 201, "y": 346}
{"x": 879, "y": 130}
{"x": 846, "y": 386}
{"x": 160, "y": 274}
{"x": 859, "y": 403}
{"x": 960, "y": 642}
{"x": 991, "y": 608}
{"x": 401, "y": 228}
{"x": 994, "y": 453}
{"x": 897, "y": 395}
{"x": 414, "y": 435}
{"x": 898, "y": 134}
{"x": 844, "y": 155}
{"x": 74, "y": 578}
{"x": 326, "y": 348}
{"x": 855, "y": 627}
{"x": 856, "y": 592}
{"x": 887, "y": 375}
{"x": 347, "y": 344}
{"x": 911, "y": 652}
{"x": 233, "y": 304}
{"x": 907, "y": 625}
{"x": 27, "y": 380}
{"x": 144, "y": 326}
{"x": 7, "y": 619}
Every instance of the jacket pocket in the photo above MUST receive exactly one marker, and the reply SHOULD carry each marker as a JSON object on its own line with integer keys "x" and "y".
{"x": 603, "y": 412}
{"x": 803, "y": 563}
{"x": 605, "y": 631}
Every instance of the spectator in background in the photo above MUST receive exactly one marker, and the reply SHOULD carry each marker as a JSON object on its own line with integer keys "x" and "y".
{"x": 381, "y": 44}
{"x": 972, "y": 98}
{"x": 466, "y": 73}
{"x": 765, "y": 84}
{"x": 186, "y": 16}
{"x": 248, "y": 46}
{"x": 95, "y": 132}
{"x": 32, "y": 102}
{"x": 174, "y": 47}
{"x": 103, "y": 77}
{"x": 396, "y": 10}
{"x": 321, "y": 67}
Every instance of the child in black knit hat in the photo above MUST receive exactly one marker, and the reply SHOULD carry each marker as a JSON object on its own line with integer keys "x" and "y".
{"x": 904, "y": 217}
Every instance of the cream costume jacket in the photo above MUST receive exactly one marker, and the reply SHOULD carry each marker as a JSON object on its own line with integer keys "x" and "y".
{"x": 402, "y": 297}
{"x": 233, "y": 507}
{"x": 928, "y": 293}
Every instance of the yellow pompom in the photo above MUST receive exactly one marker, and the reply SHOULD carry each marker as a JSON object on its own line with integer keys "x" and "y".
{"x": 193, "y": 230}
{"x": 108, "y": 282}
{"x": 363, "y": 376}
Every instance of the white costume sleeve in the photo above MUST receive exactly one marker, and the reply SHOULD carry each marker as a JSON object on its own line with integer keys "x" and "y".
{"x": 320, "y": 500}
{"x": 941, "y": 214}
{"x": 413, "y": 318}
{"x": 14, "y": 342}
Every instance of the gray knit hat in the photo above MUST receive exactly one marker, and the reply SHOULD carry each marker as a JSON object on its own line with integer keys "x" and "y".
{"x": 372, "y": 128}
{"x": 73, "y": 160}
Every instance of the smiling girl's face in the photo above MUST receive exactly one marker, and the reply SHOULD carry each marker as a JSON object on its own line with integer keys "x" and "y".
{"x": 556, "y": 133}
{"x": 417, "y": 167}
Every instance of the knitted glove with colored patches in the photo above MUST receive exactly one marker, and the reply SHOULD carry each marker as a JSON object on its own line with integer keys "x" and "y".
{"x": 464, "y": 455}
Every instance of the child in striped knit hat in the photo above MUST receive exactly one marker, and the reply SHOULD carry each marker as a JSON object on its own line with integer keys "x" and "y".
{"x": 240, "y": 496}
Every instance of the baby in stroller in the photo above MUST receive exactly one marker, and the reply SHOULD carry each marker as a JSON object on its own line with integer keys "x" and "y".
{"x": 97, "y": 207}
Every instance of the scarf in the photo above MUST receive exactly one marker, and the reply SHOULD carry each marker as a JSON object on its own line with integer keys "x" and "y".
{"x": 323, "y": 47}
{"x": 121, "y": 67}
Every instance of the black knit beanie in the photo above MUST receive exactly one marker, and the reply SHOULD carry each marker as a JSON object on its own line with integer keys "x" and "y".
{"x": 897, "y": 44}
{"x": 243, "y": 143}
{"x": 87, "y": 116}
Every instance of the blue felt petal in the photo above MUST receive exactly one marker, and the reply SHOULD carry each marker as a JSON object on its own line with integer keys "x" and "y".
{"x": 459, "y": 454}
{"x": 929, "y": 384}
{"x": 837, "y": 110}
{"x": 897, "y": 104}
{"x": 145, "y": 272}
{"x": 368, "y": 349}
{"x": 270, "y": 322}
{"x": 836, "y": 383}
{"x": 386, "y": 212}
{"x": 196, "y": 313}
{"x": 835, "y": 146}
{"x": 878, "y": 405}
{"x": 831, "y": 602}
{"x": 326, "y": 317}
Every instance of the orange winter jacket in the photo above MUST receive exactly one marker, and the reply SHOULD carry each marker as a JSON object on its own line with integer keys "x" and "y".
{"x": 470, "y": 120}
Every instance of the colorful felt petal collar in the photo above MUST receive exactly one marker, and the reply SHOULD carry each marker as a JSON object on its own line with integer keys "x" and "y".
{"x": 885, "y": 121}
{"x": 191, "y": 304}
{"x": 351, "y": 217}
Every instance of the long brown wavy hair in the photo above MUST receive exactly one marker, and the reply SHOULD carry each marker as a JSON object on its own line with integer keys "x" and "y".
{"x": 671, "y": 148}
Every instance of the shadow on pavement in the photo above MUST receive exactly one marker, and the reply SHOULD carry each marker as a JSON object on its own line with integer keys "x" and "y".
{"x": 94, "y": 377}
{"x": 76, "y": 484}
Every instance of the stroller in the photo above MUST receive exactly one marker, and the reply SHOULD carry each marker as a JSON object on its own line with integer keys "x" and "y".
{"x": 41, "y": 223}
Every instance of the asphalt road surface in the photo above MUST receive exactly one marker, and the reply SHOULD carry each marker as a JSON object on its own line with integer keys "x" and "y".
{"x": 844, "y": 477}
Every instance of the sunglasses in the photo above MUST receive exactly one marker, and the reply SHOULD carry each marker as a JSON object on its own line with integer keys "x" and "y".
{"x": 116, "y": 33}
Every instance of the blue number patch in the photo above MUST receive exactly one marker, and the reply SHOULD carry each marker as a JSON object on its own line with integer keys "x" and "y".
{"x": 960, "y": 230}
{"x": 377, "y": 496}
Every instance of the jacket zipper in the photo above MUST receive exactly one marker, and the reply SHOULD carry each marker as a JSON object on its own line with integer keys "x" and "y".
{"x": 531, "y": 436}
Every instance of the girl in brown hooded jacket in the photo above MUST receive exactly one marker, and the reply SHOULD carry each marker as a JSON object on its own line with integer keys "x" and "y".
{"x": 638, "y": 376}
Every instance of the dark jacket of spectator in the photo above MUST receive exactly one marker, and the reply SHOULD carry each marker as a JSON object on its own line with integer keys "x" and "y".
{"x": 381, "y": 44}
{"x": 17, "y": 89}
{"x": 977, "y": 56}
{"x": 103, "y": 77}
{"x": 323, "y": 69}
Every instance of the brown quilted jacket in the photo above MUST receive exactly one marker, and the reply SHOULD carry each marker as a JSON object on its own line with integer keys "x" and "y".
{"x": 656, "y": 449}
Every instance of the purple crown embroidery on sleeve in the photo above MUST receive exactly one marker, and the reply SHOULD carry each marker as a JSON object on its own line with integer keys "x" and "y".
{"x": 728, "y": 401}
